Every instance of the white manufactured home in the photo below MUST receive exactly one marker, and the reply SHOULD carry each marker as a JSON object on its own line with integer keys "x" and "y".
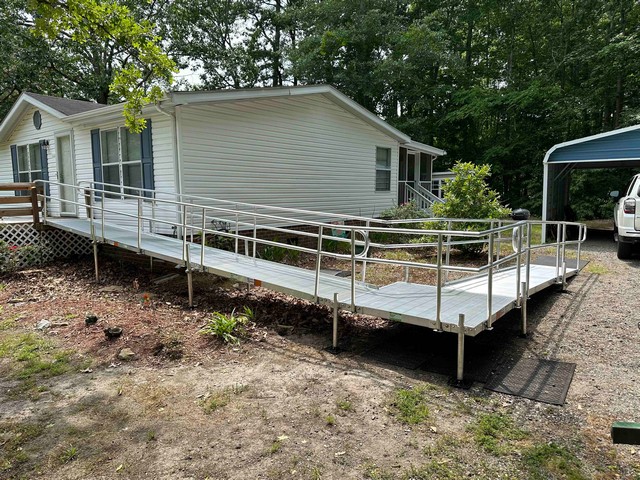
{"x": 307, "y": 147}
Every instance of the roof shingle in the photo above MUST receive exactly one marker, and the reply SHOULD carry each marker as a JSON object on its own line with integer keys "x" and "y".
{"x": 65, "y": 105}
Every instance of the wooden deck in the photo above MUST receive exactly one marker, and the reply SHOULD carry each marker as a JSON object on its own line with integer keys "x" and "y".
{"x": 401, "y": 301}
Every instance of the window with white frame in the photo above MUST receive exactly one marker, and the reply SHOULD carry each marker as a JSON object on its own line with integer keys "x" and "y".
{"x": 383, "y": 169}
{"x": 29, "y": 163}
{"x": 121, "y": 155}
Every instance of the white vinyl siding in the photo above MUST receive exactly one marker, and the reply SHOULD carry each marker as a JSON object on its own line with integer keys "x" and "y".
{"x": 301, "y": 152}
{"x": 25, "y": 134}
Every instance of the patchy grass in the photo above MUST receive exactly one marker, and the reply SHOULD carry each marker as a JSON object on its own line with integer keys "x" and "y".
{"x": 14, "y": 437}
{"x": 410, "y": 405}
{"x": 221, "y": 398}
{"x": 441, "y": 470}
{"x": 330, "y": 420}
{"x": 33, "y": 355}
{"x": 550, "y": 460}
{"x": 373, "y": 472}
{"x": 494, "y": 433}
{"x": 596, "y": 268}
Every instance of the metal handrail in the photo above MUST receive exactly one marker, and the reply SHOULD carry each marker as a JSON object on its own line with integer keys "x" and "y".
{"x": 190, "y": 223}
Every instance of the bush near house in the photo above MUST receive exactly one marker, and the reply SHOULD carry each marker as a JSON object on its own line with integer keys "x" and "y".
{"x": 468, "y": 195}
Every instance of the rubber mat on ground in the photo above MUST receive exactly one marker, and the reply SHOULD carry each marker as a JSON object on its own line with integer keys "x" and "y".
{"x": 545, "y": 381}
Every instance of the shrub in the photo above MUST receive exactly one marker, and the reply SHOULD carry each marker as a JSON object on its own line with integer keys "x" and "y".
{"x": 230, "y": 328}
{"x": 13, "y": 257}
{"x": 406, "y": 211}
{"x": 467, "y": 195}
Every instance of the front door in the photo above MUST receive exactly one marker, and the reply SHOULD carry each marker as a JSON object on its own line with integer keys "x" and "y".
{"x": 66, "y": 175}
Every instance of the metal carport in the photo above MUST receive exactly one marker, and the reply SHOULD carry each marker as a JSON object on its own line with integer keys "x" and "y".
{"x": 615, "y": 149}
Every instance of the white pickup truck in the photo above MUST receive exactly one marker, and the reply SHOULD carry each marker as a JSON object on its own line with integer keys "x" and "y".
{"x": 626, "y": 218}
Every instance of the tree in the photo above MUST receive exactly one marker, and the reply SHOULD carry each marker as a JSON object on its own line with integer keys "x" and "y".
{"x": 120, "y": 48}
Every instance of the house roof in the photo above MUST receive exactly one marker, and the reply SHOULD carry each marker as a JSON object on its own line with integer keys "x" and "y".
{"x": 58, "y": 107}
{"x": 66, "y": 106}
{"x": 616, "y": 148}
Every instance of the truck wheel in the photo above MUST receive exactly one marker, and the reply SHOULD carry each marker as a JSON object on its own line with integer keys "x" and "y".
{"x": 624, "y": 250}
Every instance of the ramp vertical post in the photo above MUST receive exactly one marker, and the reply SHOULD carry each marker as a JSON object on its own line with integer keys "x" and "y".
{"x": 353, "y": 270}
{"x": 460, "y": 369}
{"x": 518, "y": 266}
{"x": 95, "y": 259}
{"x": 255, "y": 232}
{"x": 189, "y": 277}
{"x": 139, "y": 236}
{"x": 184, "y": 233}
{"x": 318, "y": 262}
{"x": 528, "y": 274}
{"x": 203, "y": 238}
{"x": 439, "y": 285}
{"x": 579, "y": 245}
{"x": 490, "y": 283}
{"x": 334, "y": 342}
{"x": 523, "y": 310}
{"x": 364, "y": 262}
{"x": 448, "y": 254}
{"x": 237, "y": 236}
{"x": 557, "y": 252}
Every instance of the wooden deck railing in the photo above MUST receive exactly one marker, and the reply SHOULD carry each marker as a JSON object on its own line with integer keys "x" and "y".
{"x": 30, "y": 198}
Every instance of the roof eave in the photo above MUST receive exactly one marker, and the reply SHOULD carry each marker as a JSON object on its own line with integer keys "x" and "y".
{"x": 587, "y": 139}
{"x": 424, "y": 148}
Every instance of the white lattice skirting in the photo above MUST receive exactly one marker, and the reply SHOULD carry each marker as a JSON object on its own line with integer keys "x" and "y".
{"x": 25, "y": 246}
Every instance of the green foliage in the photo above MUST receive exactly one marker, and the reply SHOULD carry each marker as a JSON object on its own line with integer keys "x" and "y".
{"x": 405, "y": 211}
{"x": 144, "y": 68}
{"x": 552, "y": 461}
{"x": 467, "y": 195}
{"x": 494, "y": 432}
{"x": 13, "y": 256}
{"x": 410, "y": 405}
{"x": 229, "y": 328}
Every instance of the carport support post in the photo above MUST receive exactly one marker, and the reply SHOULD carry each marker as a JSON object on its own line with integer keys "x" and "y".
{"x": 460, "y": 370}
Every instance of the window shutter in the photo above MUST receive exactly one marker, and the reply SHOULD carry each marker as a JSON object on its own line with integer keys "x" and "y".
{"x": 14, "y": 164}
{"x": 147, "y": 159}
{"x": 96, "y": 157}
{"x": 44, "y": 160}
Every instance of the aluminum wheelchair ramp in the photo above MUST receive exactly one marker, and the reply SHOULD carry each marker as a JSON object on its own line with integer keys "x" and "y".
{"x": 466, "y": 306}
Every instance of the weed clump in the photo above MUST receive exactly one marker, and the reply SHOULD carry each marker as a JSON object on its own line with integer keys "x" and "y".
{"x": 492, "y": 430}
{"x": 411, "y": 405}
{"x": 229, "y": 328}
{"x": 552, "y": 461}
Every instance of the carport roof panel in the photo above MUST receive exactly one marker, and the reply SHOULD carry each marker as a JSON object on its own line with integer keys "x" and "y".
{"x": 616, "y": 146}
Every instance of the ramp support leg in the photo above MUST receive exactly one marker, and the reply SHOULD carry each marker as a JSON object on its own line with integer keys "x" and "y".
{"x": 335, "y": 322}
{"x": 95, "y": 260}
{"x": 190, "y": 286}
{"x": 564, "y": 276}
{"x": 523, "y": 309}
{"x": 334, "y": 341}
{"x": 460, "y": 369}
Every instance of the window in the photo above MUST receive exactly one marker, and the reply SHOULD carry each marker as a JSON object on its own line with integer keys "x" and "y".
{"x": 121, "y": 154}
{"x": 383, "y": 169}
{"x": 29, "y": 163}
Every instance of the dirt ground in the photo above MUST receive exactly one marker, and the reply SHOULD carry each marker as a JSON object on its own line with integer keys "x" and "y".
{"x": 278, "y": 405}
